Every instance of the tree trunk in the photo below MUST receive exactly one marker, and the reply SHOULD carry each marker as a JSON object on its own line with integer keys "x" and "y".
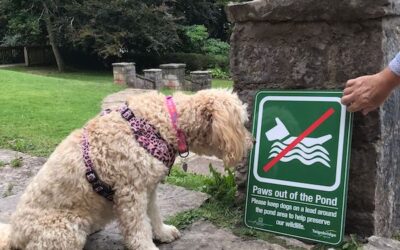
{"x": 52, "y": 40}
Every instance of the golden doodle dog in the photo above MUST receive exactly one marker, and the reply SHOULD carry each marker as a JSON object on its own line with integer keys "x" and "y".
{"x": 111, "y": 168}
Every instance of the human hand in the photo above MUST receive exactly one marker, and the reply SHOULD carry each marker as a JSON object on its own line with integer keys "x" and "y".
{"x": 367, "y": 93}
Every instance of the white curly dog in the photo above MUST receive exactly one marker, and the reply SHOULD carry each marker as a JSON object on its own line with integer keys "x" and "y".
{"x": 111, "y": 169}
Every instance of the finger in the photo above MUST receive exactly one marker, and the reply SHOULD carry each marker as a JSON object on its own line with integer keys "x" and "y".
{"x": 350, "y": 82}
{"x": 348, "y": 91}
{"x": 367, "y": 110}
{"x": 347, "y": 99}
{"x": 354, "y": 107}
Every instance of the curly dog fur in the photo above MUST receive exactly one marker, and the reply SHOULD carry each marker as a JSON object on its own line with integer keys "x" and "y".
{"x": 59, "y": 209}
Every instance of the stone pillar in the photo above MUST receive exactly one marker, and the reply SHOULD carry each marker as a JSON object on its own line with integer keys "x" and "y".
{"x": 320, "y": 44}
{"x": 124, "y": 73}
{"x": 200, "y": 80}
{"x": 156, "y": 76}
{"x": 173, "y": 75}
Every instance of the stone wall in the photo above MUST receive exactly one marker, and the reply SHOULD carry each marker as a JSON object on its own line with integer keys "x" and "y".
{"x": 199, "y": 80}
{"x": 124, "y": 73}
{"x": 156, "y": 76}
{"x": 320, "y": 44}
{"x": 173, "y": 75}
{"x": 143, "y": 82}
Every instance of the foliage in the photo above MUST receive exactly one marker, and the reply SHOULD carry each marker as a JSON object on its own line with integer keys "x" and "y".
{"x": 221, "y": 187}
{"x": 352, "y": 244}
{"x": 193, "y": 61}
{"x": 187, "y": 180}
{"x": 8, "y": 191}
{"x": 115, "y": 27}
{"x": 218, "y": 73}
{"x": 16, "y": 163}
{"x": 2, "y": 164}
{"x": 216, "y": 47}
{"x": 109, "y": 31}
{"x": 22, "y": 24}
{"x": 183, "y": 220}
{"x": 3, "y": 20}
{"x": 197, "y": 35}
{"x": 209, "y": 13}
{"x": 197, "y": 40}
{"x": 215, "y": 52}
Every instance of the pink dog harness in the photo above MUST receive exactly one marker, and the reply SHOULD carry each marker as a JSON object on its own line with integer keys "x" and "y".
{"x": 98, "y": 186}
{"x": 147, "y": 136}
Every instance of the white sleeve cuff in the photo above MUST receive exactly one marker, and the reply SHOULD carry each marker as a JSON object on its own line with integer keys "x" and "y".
{"x": 394, "y": 65}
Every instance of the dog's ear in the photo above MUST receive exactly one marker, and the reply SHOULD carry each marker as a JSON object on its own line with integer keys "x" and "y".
{"x": 228, "y": 133}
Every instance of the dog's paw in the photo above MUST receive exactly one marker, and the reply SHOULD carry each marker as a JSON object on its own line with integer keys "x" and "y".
{"x": 167, "y": 233}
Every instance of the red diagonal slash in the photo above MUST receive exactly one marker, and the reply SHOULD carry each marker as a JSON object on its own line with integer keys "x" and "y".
{"x": 303, "y": 135}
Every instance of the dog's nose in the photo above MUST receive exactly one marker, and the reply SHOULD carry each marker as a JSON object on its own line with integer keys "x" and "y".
{"x": 250, "y": 141}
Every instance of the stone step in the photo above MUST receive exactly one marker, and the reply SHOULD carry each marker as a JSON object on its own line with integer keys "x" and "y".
{"x": 14, "y": 180}
{"x": 379, "y": 243}
{"x": 171, "y": 200}
{"x": 203, "y": 235}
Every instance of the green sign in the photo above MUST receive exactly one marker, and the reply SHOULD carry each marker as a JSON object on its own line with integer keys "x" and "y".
{"x": 298, "y": 170}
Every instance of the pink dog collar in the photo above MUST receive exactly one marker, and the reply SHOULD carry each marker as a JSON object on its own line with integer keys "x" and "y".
{"x": 183, "y": 148}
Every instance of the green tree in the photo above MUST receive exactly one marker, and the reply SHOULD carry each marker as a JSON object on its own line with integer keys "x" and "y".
{"x": 27, "y": 20}
{"x": 195, "y": 37}
{"x": 118, "y": 27}
{"x": 19, "y": 27}
{"x": 198, "y": 41}
{"x": 209, "y": 13}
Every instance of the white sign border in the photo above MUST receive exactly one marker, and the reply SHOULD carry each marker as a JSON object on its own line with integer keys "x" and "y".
{"x": 345, "y": 176}
{"x": 340, "y": 144}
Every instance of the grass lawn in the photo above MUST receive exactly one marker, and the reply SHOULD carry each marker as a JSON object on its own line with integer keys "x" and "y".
{"x": 38, "y": 112}
{"x": 217, "y": 83}
{"x": 40, "y": 106}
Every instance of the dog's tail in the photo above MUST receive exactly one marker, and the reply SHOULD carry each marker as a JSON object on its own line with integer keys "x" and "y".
{"x": 5, "y": 231}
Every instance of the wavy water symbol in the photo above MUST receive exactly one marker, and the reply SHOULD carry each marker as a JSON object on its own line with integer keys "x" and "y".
{"x": 313, "y": 155}
{"x": 309, "y": 151}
